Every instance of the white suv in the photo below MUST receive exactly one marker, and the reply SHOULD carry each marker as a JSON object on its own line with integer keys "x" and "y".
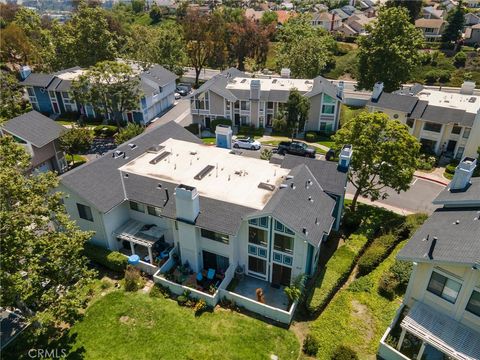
{"x": 246, "y": 143}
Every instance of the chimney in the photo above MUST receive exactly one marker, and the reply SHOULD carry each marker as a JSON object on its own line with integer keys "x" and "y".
{"x": 25, "y": 71}
{"x": 463, "y": 173}
{"x": 345, "y": 158}
{"x": 285, "y": 73}
{"x": 467, "y": 87}
{"x": 255, "y": 90}
{"x": 187, "y": 203}
{"x": 223, "y": 136}
{"x": 377, "y": 91}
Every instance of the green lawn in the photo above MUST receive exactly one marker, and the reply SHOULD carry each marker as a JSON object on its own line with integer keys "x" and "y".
{"x": 348, "y": 112}
{"x": 134, "y": 325}
{"x": 209, "y": 140}
{"x": 357, "y": 316}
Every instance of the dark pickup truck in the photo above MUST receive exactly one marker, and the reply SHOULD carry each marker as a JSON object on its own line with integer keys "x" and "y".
{"x": 295, "y": 148}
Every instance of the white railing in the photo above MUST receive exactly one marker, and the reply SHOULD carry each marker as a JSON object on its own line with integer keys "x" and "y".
{"x": 268, "y": 311}
{"x": 386, "y": 351}
{"x": 170, "y": 262}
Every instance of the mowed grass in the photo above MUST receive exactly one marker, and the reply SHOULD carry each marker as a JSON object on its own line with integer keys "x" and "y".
{"x": 357, "y": 316}
{"x": 133, "y": 325}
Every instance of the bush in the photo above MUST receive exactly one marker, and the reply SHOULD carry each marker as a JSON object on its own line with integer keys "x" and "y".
{"x": 310, "y": 137}
{"x": 251, "y": 131}
{"x": 411, "y": 224}
{"x": 444, "y": 76}
{"x": 343, "y": 352}
{"x": 279, "y": 125}
{"x": 128, "y": 132}
{"x": 460, "y": 59}
{"x": 193, "y": 128}
{"x": 310, "y": 345}
{"x": 395, "y": 280}
{"x": 426, "y": 162}
{"x": 387, "y": 286}
{"x": 182, "y": 300}
{"x": 351, "y": 221}
{"x": 200, "y": 307}
{"x": 112, "y": 260}
{"x": 376, "y": 253}
{"x": 450, "y": 169}
{"x": 105, "y": 131}
{"x": 402, "y": 270}
{"x": 266, "y": 154}
{"x": 220, "y": 121}
{"x": 362, "y": 284}
{"x": 433, "y": 76}
{"x": 159, "y": 291}
{"x": 132, "y": 278}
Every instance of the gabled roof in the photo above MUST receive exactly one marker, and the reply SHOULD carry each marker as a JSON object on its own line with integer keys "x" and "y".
{"x": 393, "y": 101}
{"x": 99, "y": 182}
{"x": 429, "y": 23}
{"x": 218, "y": 84}
{"x": 340, "y": 13}
{"x": 34, "y": 128}
{"x": 159, "y": 75}
{"x": 322, "y": 85}
{"x": 302, "y": 205}
{"x": 42, "y": 80}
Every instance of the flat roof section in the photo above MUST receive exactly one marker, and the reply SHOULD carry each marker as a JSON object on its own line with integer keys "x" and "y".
{"x": 243, "y": 83}
{"x": 469, "y": 103}
{"x": 234, "y": 178}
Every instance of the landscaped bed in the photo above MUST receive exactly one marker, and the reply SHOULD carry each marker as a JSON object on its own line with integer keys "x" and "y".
{"x": 134, "y": 325}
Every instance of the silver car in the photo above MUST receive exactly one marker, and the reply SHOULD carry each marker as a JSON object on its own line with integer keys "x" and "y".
{"x": 246, "y": 143}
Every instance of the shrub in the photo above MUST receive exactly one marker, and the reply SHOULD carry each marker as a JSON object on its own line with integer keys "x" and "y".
{"x": 222, "y": 121}
{"x": 444, "y": 76}
{"x": 351, "y": 221}
{"x": 266, "y": 154}
{"x": 193, "y": 128}
{"x": 343, "y": 352}
{"x": 387, "y": 286}
{"x": 105, "y": 131}
{"x": 251, "y": 131}
{"x": 310, "y": 137}
{"x": 450, "y": 169}
{"x": 362, "y": 284}
{"x": 128, "y": 132}
{"x": 182, "y": 300}
{"x": 279, "y": 124}
{"x": 200, "y": 307}
{"x": 460, "y": 59}
{"x": 426, "y": 162}
{"x": 132, "y": 278}
{"x": 310, "y": 345}
{"x": 112, "y": 260}
{"x": 395, "y": 280}
{"x": 401, "y": 270}
{"x": 411, "y": 224}
{"x": 433, "y": 76}
{"x": 374, "y": 255}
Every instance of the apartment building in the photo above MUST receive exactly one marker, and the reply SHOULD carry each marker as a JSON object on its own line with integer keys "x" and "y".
{"x": 51, "y": 94}
{"x": 431, "y": 28}
{"x": 180, "y": 204}
{"x": 444, "y": 122}
{"x": 440, "y": 314}
{"x": 256, "y": 102}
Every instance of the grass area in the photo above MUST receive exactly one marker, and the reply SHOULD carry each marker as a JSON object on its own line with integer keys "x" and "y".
{"x": 271, "y": 142}
{"x": 345, "y": 62}
{"x": 357, "y": 316}
{"x": 124, "y": 324}
{"x": 336, "y": 270}
{"x": 66, "y": 122}
{"x": 209, "y": 140}
{"x": 349, "y": 112}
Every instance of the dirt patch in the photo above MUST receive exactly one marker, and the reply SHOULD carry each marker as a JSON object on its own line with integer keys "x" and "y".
{"x": 127, "y": 320}
{"x": 361, "y": 312}
{"x": 300, "y": 329}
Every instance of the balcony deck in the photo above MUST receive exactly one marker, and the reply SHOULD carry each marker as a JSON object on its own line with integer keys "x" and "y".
{"x": 274, "y": 297}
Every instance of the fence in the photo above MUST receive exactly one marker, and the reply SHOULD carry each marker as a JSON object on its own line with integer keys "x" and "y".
{"x": 385, "y": 351}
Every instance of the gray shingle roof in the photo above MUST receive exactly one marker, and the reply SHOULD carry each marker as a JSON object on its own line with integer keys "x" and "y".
{"x": 219, "y": 82}
{"x": 404, "y": 103}
{"x": 443, "y": 115}
{"x": 326, "y": 172}
{"x": 292, "y": 206}
{"x": 322, "y": 85}
{"x": 159, "y": 75}
{"x": 470, "y": 195}
{"x": 99, "y": 182}
{"x": 34, "y": 128}
{"x": 456, "y": 243}
{"x": 41, "y": 80}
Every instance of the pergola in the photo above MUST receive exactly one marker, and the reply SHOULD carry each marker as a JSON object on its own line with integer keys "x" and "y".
{"x": 442, "y": 332}
{"x": 132, "y": 232}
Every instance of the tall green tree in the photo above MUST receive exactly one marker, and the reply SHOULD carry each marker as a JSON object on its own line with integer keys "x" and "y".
{"x": 76, "y": 140}
{"x": 384, "y": 155}
{"x": 12, "y": 102}
{"x": 110, "y": 87}
{"x": 390, "y": 51}
{"x": 43, "y": 269}
{"x": 268, "y": 18}
{"x": 305, "y": 50}
{"x": 296, "y": 109}
{"x": 454, "y": 28}
{"x": 128, "y": 132}
{"x": 414, "y": 7}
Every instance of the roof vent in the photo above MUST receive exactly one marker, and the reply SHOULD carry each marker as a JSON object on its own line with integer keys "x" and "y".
{"x": 266, "y": 186}
{"x": 159, "y": 158}
{"x": 292, "y": 185}
{"x": 289, "y": 177}
{"x": 310, "y": 199}
{"x": 456, "y": 222}
{"x": 118, "y": 154}
{"x": 159, "y": 186}
{"x": 132, "y": 146}
{"x": 125, "y": 176}
{"x": 155, "y": 148}
{"x": 193, "y": 153}
{"x": 205, "y": 171}
{"x": 317, "y": 222}
{"x": 283, "y": 186}
{"x": 304, "y": 231}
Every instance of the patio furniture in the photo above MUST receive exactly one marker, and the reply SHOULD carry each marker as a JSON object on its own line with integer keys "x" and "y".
{"x": 199, "y": 276}
{"x": 210, "y": 274}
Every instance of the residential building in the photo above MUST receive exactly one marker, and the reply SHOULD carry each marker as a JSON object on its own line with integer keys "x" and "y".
{"x": 472, "y": 3}
{"x": 440, "y": 313}
{"x": 432, "y": 28}
{"x": 472, "y": 19}
{"x": 39, "y": 135}
{"x": 256, "y": 101}
{"x": 215, "y": 209}
{"x": 472, "y": 35}
{"x": 445, "y": 123}
{"x": 51, "y": 93}
{"x": 329, "y": 22}
{"x": 355, "y": 25}
{"x": 433, "y": 12}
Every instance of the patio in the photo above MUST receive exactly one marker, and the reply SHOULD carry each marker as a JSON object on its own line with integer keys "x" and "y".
{"x": 274, "y": 297}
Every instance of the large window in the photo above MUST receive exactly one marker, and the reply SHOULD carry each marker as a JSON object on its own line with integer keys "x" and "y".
{"x": 155, "y": 211}
{"x": 212, "y": 235}
{"x": 283, "y": 243}
{"x": 137, "y": 206}
{"x": 328, "y": 99}
{"x": 328, "y": 109}
{"x": 257, "y": 236}
{"x": 444, "y": 287}
{"x": 456, "y": 130}
{"x": 473, "y": 304}
{"x": 257, "y": 265}
{"x": 410, "y": 122}
{"x": 245, "y": 105}
{"x": 84, "y": 212}
{"x": 466, "y": 133}
{"x": 429, "y": 126}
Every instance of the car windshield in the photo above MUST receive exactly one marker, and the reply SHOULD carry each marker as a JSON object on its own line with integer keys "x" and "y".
{"x": 246, "y": 140}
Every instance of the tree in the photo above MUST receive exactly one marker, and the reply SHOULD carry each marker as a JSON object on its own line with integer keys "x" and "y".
{"x": 76, "y": 140}
{"x": 127, "y": 133}
{"x": 199, "y": 43}
{"x": 297, "y": 108}
{"x": 390, "y": 52}
{"x": 305, "y": 50}
{"x": 384, "y": 155}
{"x": 43, "y": 269}
{"x": 12, "y": 102}
{"x": 269, "y": 18}
{"x": 15, "y": 47}
{"x": 138, "y": 6}
{"x": 110, "y": 87}
{"x": 413, "y": 7}
{"x": 456, "y": 20}
{"x": 156, "y": 14}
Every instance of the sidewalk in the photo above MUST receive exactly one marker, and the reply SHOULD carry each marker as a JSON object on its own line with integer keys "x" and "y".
{"x": 435, "y": 176}
{"x": 380, "y": 204}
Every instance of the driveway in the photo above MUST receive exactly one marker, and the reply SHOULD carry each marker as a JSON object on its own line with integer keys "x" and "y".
{"x": 180, "y": 113}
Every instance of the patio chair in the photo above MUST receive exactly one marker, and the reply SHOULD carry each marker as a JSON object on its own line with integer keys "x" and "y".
{"x": 210, "y": 274}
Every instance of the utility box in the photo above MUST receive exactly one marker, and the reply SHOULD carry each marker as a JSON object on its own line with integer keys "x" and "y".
{"x": 223, "y": 134}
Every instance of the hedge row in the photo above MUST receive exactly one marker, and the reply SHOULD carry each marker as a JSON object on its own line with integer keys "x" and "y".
{"x": 251, "y": 131}
{"x": 112, "y": 260}
{"x": 219, "y": 121}
{"x": 394, "y": 281}
{"x": 336, "y": 271}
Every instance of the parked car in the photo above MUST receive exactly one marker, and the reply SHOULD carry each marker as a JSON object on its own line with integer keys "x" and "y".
{"x": 183, "y": 91}
{"x": 295, "y": 148}
{"x": 246, "y": 143}
{"x": 177, "y": 96}
{"x": 330, "y": 155}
